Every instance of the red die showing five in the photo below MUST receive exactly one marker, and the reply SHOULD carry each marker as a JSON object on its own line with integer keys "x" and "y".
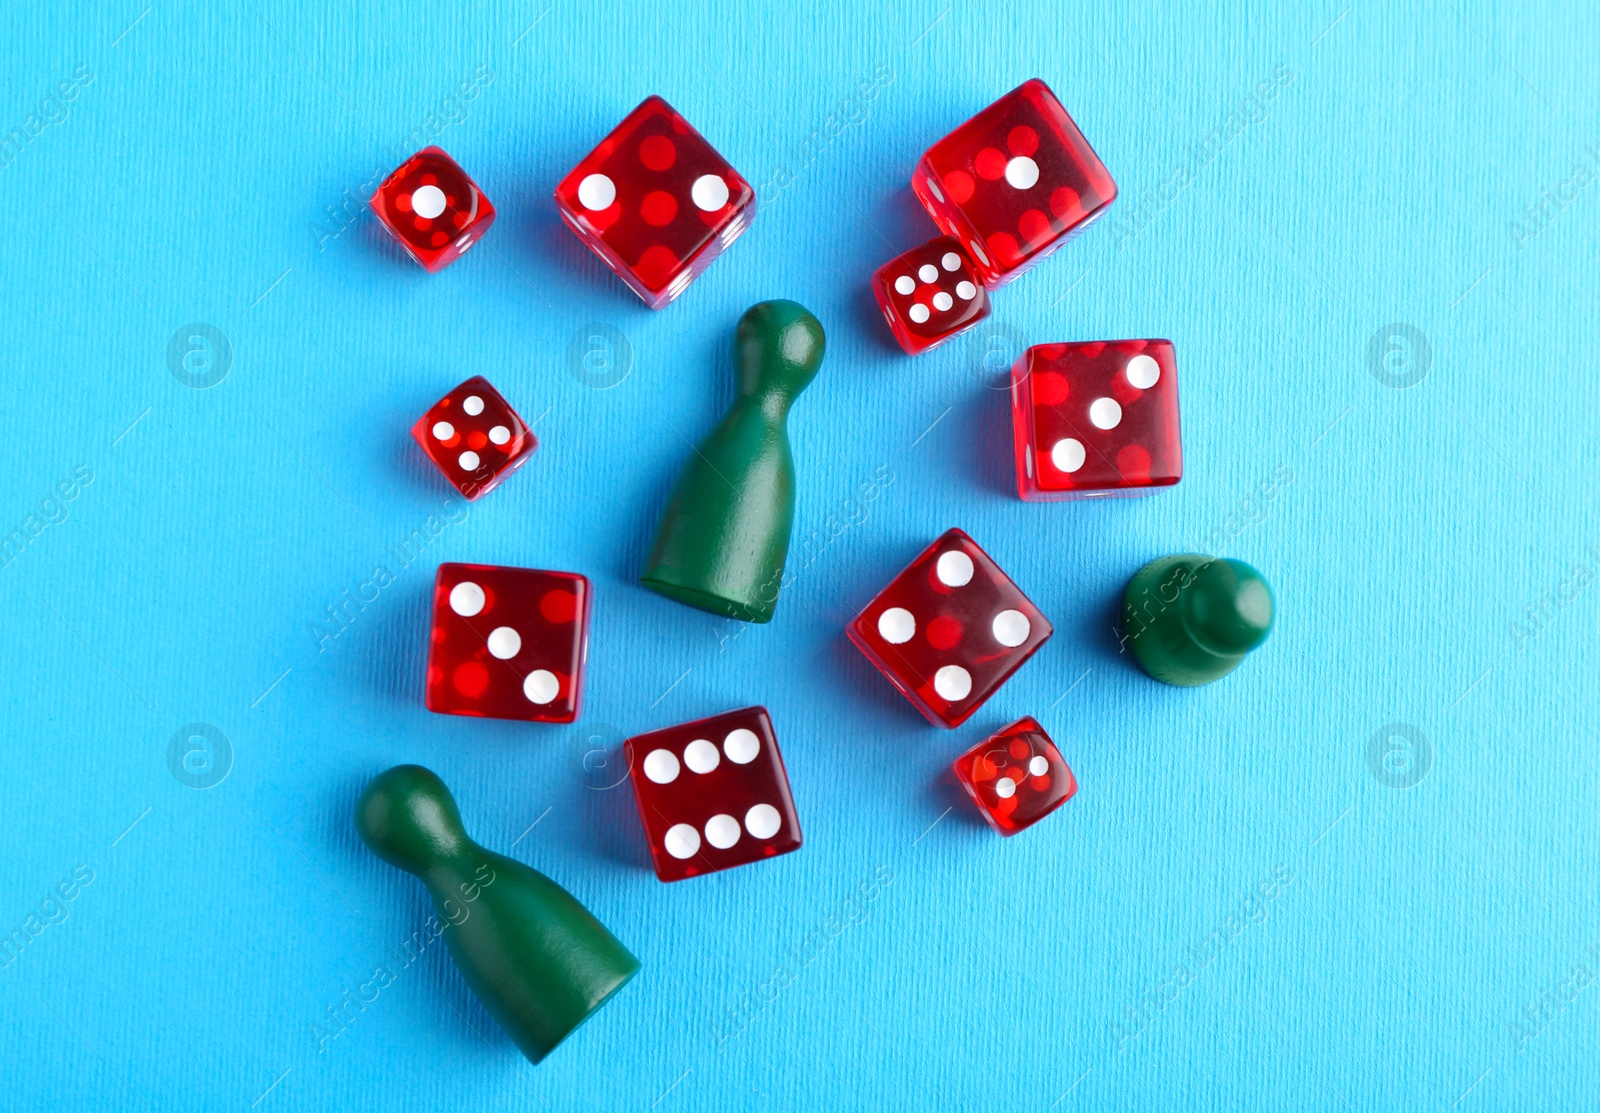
{"x": 713, "y": 794}
{"x": 433, "y": 208}
{"x": 1013, "y": 183}
{"x": 508, "y": 643}
{"x": 656, "y": 202}
{"x": 1098, "y": 419}
{"x": 474, "y": 437}
{"x": 950, "y": 629}
{"x": 1016, "y": 777}
{"x": 930, "y": 294}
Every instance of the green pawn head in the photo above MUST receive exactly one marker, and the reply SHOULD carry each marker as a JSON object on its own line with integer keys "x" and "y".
{"x": 409, "y": 819}
{"x": 777, "y": 350}
{"x": 1227, "y": 608}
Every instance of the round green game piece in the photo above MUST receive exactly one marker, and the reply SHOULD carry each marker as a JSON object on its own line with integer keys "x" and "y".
{"x": 1190, "y": 619}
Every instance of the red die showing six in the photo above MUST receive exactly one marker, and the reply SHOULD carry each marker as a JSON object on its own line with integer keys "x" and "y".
{"x": 1090, "y": 420}
{"x": 1016, "y": 777}
{"x": 474, "y": 437}
{"x": 950, "y": 629}
{"x": 656, "y": 202}
{"x": 713, "y": 794}
{"x": 1013, "y": 183}
{"x": 508, "y": 643}
{"x": 930, "y": 294}
{"x": 433, "y": 208}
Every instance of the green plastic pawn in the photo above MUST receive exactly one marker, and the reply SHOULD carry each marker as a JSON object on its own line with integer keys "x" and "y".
{"x": 1190, "y": 619}
{"x": 535, "y": 957}
{"x": 724, "y": 536}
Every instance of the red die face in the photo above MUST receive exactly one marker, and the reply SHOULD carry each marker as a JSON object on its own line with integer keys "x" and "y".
{"x": 713, "y": 794}
{"x": 656, "y": 202}
{"x": 930, "y": 294}
{"x": 433, "y": 208}
{"x": 1091, "y": 420}
{"x": 474, "y": 437}
{"x": 950, "y": 629}
{"x": 508, "y": 643}
{"x": 1014, "y": 183}
{"x": 1017, "y": 777}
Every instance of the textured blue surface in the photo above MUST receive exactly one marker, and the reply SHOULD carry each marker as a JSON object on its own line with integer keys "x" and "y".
{"x": 1432, "y": 549}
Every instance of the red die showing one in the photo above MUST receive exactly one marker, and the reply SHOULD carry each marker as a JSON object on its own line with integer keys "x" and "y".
{"x": 930, "y": 294}
{"x": 1090, "y": 420}
{"x": 656, "y": 202}
{"x": 433, "y": 208}
{"x": 474, "y": 437}
{"x": 950, "y": 629}
{"x": 1016, "y": 777}
{"x": 508, "y": 643}
{"x": 1013, "y": 183}
{"x": 713, "y": 794}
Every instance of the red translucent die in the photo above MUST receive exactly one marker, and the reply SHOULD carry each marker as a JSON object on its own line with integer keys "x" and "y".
{"x": 508, "y": 643}
{"x": 930, "y": 294}
{"x": 656, "y": 202}
{"x": 950, "y": 629}
{"x": 1092, "y": 420}
{"x": 1013, "y": 183}
{"x": 474, "y": 436}
{"x": 1016, "y": 777}
{"x": 713, "y": 794}
{"x": 433, "y": 208}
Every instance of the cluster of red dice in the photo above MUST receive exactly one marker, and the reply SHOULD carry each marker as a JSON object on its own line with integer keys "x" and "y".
{"x": 658, "y": 204}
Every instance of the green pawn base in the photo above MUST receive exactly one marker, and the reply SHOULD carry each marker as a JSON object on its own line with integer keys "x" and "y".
{"x": 536, "y": 958}
{"x": 1190, "y": 619}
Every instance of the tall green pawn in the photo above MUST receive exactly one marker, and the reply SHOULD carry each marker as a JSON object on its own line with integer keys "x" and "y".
{"x": 536, "y": 958}
{"x": 724, "y": 536}
{"x": 1190, "y": 619}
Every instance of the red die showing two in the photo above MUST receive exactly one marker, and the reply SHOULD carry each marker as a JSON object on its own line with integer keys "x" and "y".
{"x": 474, "y": 437}
{"x": 1016, "y": 777}
{"x": 508, "y": 643}
{"x": 713, "y": 794}
{"x": 930, "y": 294}
{"x": 656, "y": 202}
{"x": 433, "y": 208}
{"x": 1013, "y": 183}
{"x": 1091, "y": 420}
{"x": 950, "y": 629}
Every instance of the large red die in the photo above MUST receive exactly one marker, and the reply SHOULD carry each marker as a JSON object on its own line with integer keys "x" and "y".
{"x": 1098, "y": 419}
{"x": 432, "y": 207}
{"x": 950, "y": 629}
{"x": 656, "y": 202}
{"x": 508, "y": 643}
{"x": 930, "y": 294}
{"x": 474, "y": 436}
{"x": 713, "y": 794}
{"x": 1014, "y": 183}
{"x": 1016, "y": 777}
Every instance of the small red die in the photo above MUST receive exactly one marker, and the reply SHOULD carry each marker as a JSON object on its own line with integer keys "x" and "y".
{"x": 713, "y": 794}
{"x": 1091, "y": 420}
{"x": 1016, "y": 777}
{"x": 656, "y": 202}
{"x": 1013, "y": 183}
{"x": 930, "y": 294}
{"x": 950, "y": 629}
{"x": 474, "y": 437}
{"x": 508, "y": 643}
{"x": 433, "y": 208}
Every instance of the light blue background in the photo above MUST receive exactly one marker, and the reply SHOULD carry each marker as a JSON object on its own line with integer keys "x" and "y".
{"x": 1421, "y": 955}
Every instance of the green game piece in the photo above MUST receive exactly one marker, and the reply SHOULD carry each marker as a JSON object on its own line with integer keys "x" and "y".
{"x": 535, "y": 957}
{"x": 1190, "y": 619}
{"x": 724, "y": 536}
